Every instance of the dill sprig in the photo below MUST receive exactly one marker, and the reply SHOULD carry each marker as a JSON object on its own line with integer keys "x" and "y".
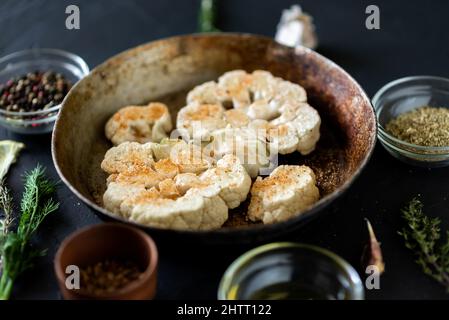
{"x": 422, "y": 235}
{"x": 16, "y": 252}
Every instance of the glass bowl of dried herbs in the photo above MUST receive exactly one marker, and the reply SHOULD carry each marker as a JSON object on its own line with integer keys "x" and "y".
{"x": 33, "y": 84}
{"x": 413, "y": 120}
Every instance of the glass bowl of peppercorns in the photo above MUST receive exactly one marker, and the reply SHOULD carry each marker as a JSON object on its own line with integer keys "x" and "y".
{"x": 33, "y": 84}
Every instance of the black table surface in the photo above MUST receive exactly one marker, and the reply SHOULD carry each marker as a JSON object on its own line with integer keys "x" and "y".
{"x": 413, "y": 40}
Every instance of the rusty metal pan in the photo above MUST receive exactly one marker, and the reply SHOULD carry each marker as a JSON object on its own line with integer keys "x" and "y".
{"x": 165, "y": 70}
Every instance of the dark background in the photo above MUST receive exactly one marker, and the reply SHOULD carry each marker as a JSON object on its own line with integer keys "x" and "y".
{"x": 413, "y": 39}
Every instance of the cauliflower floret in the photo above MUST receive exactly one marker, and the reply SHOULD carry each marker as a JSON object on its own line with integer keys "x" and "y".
{"x": 198, "y": 120}
{"x": 205, "y": 93}
{"x": 283, "y": 138}
{"x": 307, "y": 124}
{"x": 127, "y": 156}
{"x": 262, "y": 109}
{"x": 236, "y": 118}
{"x": 116, "y": 193}
{"x": 287, "y": 192}
{"x": 245, "y": 144}
{"x": 167, "y": 168}
{"x": 189, "y": 157}
{"x": 139, "y": 124}
{"x": 234, "y": 85}
{"x": 299, "y": 120}
{"x": 186, "y": 181}
{"x": 231, "y": 178}
{"x": 288, "y": 92}
{"x": 263, "y": 85}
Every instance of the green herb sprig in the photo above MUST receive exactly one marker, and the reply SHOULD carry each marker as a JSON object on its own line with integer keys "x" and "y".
{"x": 422, "y": 235}
{"x": 15, "y": 250}
{"x": 207, "y": 16}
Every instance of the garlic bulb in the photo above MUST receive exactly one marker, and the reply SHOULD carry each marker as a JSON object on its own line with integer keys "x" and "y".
{"x": 296, "y": 28}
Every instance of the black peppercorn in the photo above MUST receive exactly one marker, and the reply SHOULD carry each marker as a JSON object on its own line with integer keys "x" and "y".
{"x": 34, "y": 91}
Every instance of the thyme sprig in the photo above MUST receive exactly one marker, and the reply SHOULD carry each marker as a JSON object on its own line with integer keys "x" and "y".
{"x": 6, "y": 203}
{"x": 422, "y": 235}
{"x": 15, "y": 250}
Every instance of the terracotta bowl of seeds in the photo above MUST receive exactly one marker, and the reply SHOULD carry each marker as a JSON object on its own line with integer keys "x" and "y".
{"x": 413, "y": 120}
{"x": 108, "y": 261}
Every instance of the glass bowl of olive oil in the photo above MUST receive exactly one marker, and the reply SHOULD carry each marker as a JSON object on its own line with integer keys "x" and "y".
{"x": 290, "y": 271}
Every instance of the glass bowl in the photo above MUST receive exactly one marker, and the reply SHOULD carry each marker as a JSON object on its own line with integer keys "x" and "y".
{"x": 20, "y": 63}
{"x": 284, "y": 270}
{"x": 404, "y": 95}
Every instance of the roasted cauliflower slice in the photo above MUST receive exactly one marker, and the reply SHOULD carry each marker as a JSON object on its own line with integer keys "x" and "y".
{"x": 287, "y": 192}
{"x": 139, "y": 124}
{"x": 164, "y": 193}
{"x": 239, "y": 98}
{"x": 127, "y": 156}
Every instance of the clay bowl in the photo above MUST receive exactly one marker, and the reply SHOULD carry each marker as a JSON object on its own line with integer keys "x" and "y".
{"x": 166, "y": 70}
{"x": 102, "y": 242}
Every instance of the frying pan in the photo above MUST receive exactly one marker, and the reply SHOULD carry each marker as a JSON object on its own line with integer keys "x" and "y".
{"x": 165, "y": 70}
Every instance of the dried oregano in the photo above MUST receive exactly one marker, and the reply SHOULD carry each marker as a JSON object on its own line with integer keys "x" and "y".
{"x": 424, "y": 126}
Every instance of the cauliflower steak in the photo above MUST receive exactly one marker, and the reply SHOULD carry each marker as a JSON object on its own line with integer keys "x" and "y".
{"x": 160, "y": 189}
{"x": 139, "y": 124}
{"x": 239, "y": 98}
{"x": 287, "y": 192}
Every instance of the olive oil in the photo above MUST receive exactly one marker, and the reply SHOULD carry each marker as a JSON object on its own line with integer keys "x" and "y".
{"x": 290, "y": 291}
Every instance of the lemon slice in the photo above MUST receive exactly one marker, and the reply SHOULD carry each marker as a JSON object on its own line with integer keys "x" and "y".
{"x": 9, "y": 150}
